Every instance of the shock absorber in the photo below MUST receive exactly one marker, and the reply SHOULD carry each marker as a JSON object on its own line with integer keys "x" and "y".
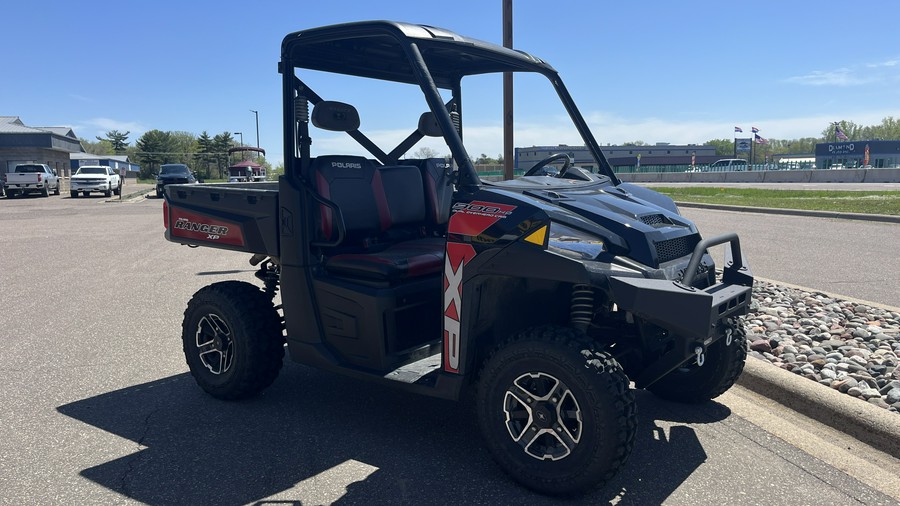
{"x": 582, "y": 308}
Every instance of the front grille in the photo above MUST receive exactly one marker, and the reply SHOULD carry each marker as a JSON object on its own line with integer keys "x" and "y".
{"x": 675, "y": 248}
{"x": 654, "y": 219}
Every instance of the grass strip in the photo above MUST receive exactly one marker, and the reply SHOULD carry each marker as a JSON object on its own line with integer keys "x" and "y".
{"x": 866, "y": 202}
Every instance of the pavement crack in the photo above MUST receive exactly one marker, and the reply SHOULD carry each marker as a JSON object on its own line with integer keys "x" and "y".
{"x": 137, "y": 456}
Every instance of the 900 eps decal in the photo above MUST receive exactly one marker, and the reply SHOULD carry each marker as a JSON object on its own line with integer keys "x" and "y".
{"x": 188, "y": 225}
{"x": 458, "y": 255}
{"x": 473, "y": 218}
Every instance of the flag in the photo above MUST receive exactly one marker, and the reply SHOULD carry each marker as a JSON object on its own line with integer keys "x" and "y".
{"x": 760, "y": 140}
{"x": 866, "y": 159}
{"x": 840, "y": 133}
{"x": 738, "y": 129}
{"x": 755, "y": 130}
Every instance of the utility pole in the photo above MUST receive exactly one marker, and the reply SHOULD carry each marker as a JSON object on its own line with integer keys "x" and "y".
{"x": 508, "y": 161}
{"x": 256, "y": 113}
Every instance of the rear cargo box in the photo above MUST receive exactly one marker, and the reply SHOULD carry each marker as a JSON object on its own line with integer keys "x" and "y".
{"x": 235, "y": 216}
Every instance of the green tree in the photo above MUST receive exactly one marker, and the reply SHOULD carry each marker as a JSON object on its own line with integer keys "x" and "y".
{"x": 154, "y": 148}
{"x": 221, "y": 143}
{"x": 117, "y": 139}
{"x": 204, "y": 154}
{"x": 102, "y": 147}
{"x": 724, "y": 147}
{"x": 183, "y": 146}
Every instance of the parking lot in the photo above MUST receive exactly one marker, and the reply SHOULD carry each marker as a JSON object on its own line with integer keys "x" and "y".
{"x": 98, "y": 407}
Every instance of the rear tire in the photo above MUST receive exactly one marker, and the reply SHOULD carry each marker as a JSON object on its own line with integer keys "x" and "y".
{"x": 722, "y": 366}
{"x": 45, "y": 191}
{"x": 556, "y": 414}
{"x": 85, "y": 194}
{"x": 108, "y": 191}
{"x": 233, "y": 339}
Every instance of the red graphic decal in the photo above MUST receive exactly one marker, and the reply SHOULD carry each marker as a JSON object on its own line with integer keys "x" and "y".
{"x": 458, "y": 255}
{"x": 473, "y": 218}
{"x": 203, "y": 228}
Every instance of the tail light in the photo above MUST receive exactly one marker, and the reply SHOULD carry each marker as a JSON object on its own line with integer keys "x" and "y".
{"x": 40, "y": 176}
{"x": 166, "y": 214}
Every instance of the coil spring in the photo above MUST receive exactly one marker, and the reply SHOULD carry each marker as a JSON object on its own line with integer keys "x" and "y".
{"x": 301, "y": 109}
{"x": 582, "y": 308}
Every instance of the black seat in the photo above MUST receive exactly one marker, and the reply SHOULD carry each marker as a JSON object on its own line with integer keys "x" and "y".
{"x": 384, "y": 217}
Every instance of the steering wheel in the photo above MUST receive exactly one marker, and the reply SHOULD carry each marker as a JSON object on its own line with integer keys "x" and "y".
{"x": 550, "y": 159}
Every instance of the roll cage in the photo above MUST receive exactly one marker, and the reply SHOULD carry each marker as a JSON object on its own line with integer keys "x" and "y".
{"x": 432, "y": 58}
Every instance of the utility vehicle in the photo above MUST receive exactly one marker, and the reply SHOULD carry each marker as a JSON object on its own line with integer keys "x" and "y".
{"x": 543, "y": 297}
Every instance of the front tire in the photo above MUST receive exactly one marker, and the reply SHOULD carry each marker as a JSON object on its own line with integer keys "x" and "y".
{"x": 233, "y": 340}
{"x": 73, "y": 194}
{"x": 722, "y": 366}
{"x": 557, "y": 415}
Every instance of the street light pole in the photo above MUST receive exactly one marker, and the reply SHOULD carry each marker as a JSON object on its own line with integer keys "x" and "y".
{"x": 256, "y": 113}
{"x": 242, "y": 137}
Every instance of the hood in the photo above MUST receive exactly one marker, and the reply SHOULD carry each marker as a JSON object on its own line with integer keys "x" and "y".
{"x": 634, "y": 221}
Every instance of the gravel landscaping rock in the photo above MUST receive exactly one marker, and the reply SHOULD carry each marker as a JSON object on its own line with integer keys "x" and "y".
{"x": 850, "y": 347}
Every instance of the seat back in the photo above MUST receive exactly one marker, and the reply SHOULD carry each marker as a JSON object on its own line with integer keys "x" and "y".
{"x": 354, "y": 185}
{"x": 437, "y": 181}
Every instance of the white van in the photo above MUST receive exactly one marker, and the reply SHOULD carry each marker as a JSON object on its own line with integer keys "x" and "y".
{"x": 728, "y": 165}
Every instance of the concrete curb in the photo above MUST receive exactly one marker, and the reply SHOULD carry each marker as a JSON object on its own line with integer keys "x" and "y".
{"x": 869, "y": 424}
{"x": 795, "y": 212}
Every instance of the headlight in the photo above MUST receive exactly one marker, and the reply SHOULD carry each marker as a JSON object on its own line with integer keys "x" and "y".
{"x": 574, "y": 243}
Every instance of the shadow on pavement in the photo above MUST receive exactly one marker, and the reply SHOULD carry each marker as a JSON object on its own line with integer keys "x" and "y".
{"x": 311, "y": 425}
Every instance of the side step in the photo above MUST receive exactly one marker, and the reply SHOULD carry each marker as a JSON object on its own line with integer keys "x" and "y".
{"x": 421, "y": 372}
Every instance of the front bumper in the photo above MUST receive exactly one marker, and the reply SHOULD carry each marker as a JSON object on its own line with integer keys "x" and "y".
{"x": 92, "y": 187}
{"x": 694, "y": 317}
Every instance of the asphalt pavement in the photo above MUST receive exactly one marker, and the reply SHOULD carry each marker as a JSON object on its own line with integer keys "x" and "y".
{"x": 867, "y": 423}
{"x": 98, "y": 407}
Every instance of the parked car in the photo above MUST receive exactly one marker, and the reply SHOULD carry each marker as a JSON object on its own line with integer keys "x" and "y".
{"x": 31, "y": 177}
{"x": 96, "y": 178}
{"x": 173, "y": 173}
{"x": 728, "y": 165}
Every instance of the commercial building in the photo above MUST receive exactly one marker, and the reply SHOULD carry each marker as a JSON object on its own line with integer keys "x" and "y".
{"x": 661, "y": 157}
{"x": 117, "y": 162}
{"x": 874, "y": 154}
{"x": 20, "y": 143}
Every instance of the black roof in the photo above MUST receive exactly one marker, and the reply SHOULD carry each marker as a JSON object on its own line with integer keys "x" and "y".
{"x": 378, "y": 49}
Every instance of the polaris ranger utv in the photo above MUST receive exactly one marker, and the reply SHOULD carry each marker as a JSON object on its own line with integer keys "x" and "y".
{"x": 544, "y": 296}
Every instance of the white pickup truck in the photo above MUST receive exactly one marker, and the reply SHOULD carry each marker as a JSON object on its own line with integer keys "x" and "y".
{"x": 31, "y": 177}
{"x": 95, "y": 178}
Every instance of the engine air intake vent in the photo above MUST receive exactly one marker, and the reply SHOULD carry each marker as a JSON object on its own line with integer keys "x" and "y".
{"x": 655, "y": 219}
{"x": 675, "y": 248}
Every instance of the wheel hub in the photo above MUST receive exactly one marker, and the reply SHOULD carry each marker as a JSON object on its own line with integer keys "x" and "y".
{"x": 542, "y": 416}
{"x": 214, "y": 344}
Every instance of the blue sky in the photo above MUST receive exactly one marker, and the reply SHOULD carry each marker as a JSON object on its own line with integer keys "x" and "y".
{"x": 679, "y": 72}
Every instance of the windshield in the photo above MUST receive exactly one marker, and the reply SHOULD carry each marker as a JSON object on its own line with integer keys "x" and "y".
{"x": 92, "y": 170}
{"x": 174, "y": 169}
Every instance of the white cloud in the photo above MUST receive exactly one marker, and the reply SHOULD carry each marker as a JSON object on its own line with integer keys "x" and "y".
{"x": 839, "y": 77}
{"x": 94, "y": 127}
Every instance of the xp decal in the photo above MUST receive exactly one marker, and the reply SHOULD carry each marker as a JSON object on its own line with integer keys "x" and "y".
{"x": 458, "y": 255}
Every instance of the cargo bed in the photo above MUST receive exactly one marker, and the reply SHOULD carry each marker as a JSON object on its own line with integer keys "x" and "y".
{"x": 235, "y": 216}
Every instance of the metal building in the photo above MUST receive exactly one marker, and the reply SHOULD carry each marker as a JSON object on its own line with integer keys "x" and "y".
{"x": 24, "y": 144}
{"x": 661, "y": 157}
